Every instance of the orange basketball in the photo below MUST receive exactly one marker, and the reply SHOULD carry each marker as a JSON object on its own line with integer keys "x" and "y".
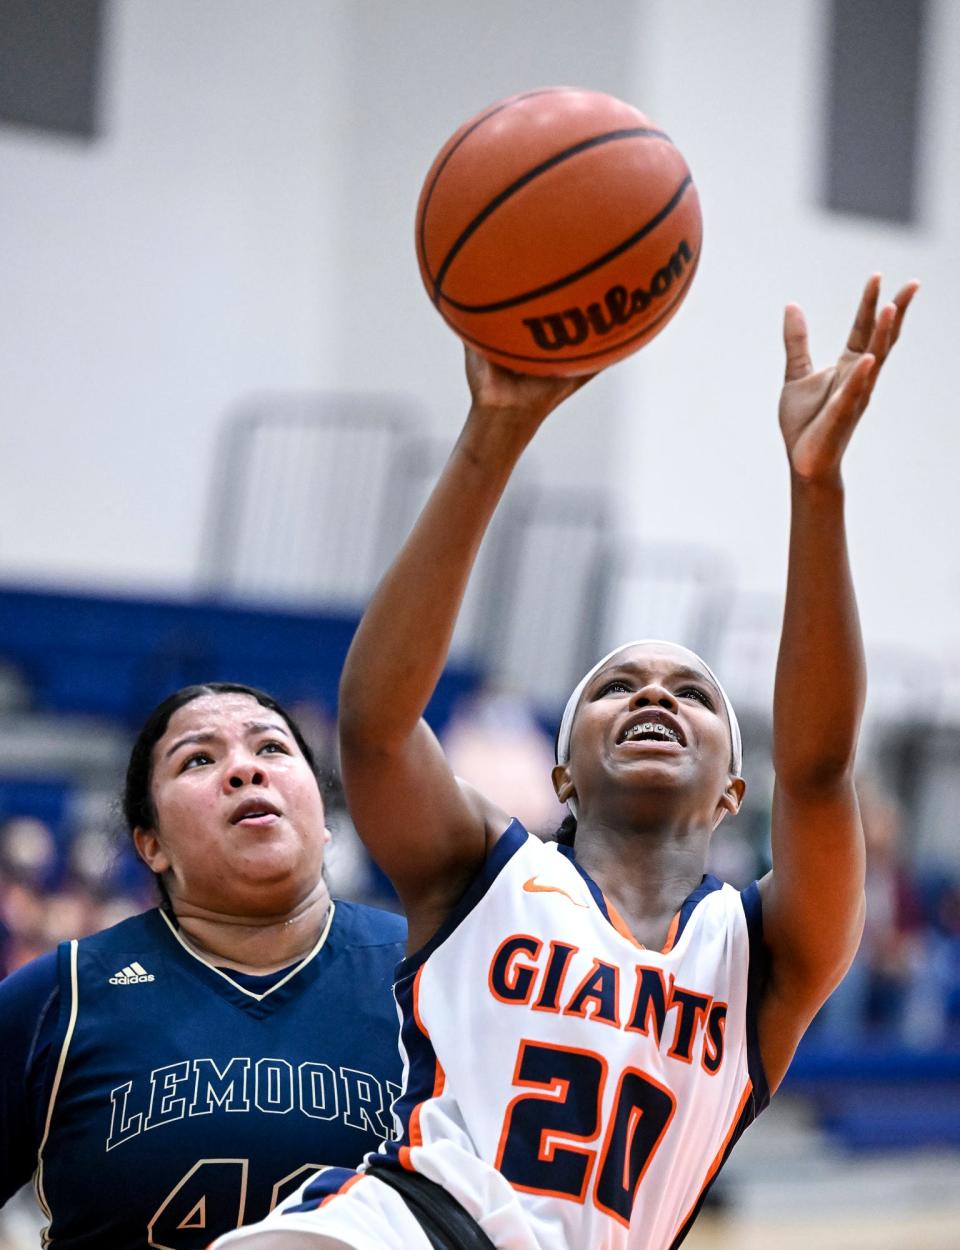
{"x": 558, "y": 231}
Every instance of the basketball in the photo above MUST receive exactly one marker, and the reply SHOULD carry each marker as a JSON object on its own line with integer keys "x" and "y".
{"x": 558, "y": 231}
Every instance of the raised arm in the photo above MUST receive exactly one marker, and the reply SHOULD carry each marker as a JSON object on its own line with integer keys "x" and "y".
{"x": 813, "y": 899}
{"x": 429, "y": 833}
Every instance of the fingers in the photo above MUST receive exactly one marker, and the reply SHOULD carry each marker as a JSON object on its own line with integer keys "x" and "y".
{"x": 847, "y": 405}
{"x": 796, "y": 344}
{"x": 863, "y": 323}
{"x": 902, "y": 301}
{"x": 867, "y": 333}
{"x": 495, "y": 387}
{"x": 889, "y": 321}
{"x": 881, "y": 340}
{"x": 850, "y": 399}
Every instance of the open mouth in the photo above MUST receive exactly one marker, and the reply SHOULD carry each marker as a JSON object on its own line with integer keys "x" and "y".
{"x": 653, "y": 727}
{"x": 254, "y": 812}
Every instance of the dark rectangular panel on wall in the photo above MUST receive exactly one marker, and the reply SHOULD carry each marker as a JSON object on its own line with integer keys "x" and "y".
{"x": 875, "y": 65}
{"x": 50, "y": 54}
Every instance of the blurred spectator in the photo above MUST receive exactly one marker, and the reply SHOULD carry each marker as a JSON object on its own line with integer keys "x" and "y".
{"x": 45, "y": 899}
{"x": 93, "y": 860}
{"x": 23, "y": 910}
{"x": 349, "y": 870}
{"x": 28, "y": 851}
{"x": 28, "y": 860}
{"x": 92, "y": 895}
{"x": 732, "y": 857}
{"x": 874, "y": 994}
{"x": 933, "y": 1005}
{"x": 494, "y": 742}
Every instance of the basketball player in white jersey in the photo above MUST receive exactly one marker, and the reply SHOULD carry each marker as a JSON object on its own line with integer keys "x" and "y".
{"x": 587, "y": 1028}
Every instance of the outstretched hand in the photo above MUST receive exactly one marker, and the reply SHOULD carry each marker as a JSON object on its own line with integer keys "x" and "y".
{"x": 495, "y": 389}
{"x": 820, "y": 411}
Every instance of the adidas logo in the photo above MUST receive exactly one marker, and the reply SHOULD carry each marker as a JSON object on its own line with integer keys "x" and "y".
{"x": 132, "y": 974}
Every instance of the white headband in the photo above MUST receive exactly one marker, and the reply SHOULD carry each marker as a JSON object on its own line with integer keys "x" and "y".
{"x": 566, "y": 721}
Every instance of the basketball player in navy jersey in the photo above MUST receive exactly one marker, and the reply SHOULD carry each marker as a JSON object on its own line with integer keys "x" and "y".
{"x": 588, "y": 1028}
{"x": 182, "y": 1072}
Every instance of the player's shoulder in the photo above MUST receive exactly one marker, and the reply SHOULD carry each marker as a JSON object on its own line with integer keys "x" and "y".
{"x": 716, "y": 907}
{"x": 133, "y": 933}
{"x": 24, "y": 992}
{"x": 713, "y": 896}
{"x": 27, "y": 990}
{"x": 358, "y": 924}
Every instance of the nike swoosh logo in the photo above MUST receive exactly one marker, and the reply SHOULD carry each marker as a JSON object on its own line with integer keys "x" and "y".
{"x": 533, "y": 886}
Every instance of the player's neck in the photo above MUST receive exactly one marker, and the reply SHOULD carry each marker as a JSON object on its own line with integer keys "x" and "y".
{"x": 255, "y": 944}
{"x": 646, "y": 876}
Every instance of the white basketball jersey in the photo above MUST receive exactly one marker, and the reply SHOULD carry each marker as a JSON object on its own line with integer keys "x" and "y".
{"x": 569, "y": 1087}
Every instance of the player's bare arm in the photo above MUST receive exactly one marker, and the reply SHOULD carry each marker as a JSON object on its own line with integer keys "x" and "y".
{"x": 813, "y": 899}
{"x": 429, "y": 833}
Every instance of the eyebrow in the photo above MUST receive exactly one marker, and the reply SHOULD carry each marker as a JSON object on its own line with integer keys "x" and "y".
{"x": 251, "y": 728}
{"x": 683, "y": 673}
{"x": 264, "y": 726}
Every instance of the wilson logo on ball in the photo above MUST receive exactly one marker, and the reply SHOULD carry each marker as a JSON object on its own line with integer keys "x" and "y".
{"x": 557, "y": 231}
{"x": 554, "y": 331}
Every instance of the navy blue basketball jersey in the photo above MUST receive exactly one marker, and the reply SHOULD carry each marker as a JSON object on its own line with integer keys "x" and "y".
{"x": 180, "y": 1102}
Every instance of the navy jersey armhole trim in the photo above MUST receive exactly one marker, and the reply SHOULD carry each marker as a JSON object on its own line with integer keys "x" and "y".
{"x": 569, "y": 852}
{"x": 506, "y": 846}
{"x": 746, "y": 1117}
{"x": 708, "y": 885}
{"x": 756, "y": 976}
{"x": 65, "y": 988}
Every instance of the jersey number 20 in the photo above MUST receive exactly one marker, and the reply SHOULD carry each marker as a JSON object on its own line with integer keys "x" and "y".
{"x": 559, "y": 1113}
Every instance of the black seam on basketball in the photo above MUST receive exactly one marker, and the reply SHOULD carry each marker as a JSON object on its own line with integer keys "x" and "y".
{"x": 563, "y": 360}
{"x": 493, "y": 112}
{"x": 610, "y": 136}
{"x": 549, "y": 287}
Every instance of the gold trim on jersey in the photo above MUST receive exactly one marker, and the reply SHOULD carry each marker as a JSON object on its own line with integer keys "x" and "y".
{"x": 226, "y": 976}
{"x": 68, "y": 1037}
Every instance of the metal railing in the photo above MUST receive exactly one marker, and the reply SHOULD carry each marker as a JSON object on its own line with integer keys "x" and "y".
{"x": 662, "y": 590}
{"x": 298, "y": 500}
{"x": 315, "y": 493}
{"x": 545, "y": 594}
